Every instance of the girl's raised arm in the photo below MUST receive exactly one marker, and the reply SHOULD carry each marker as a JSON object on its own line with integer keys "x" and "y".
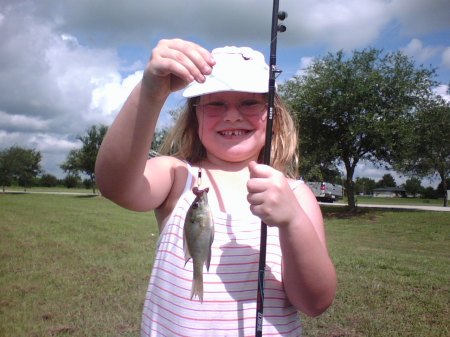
{"x": 123, "y": 172}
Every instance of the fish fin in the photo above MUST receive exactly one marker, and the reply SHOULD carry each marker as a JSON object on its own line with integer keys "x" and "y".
{"x": 187, "y": 255}
{"x": 187, "y": 260}
{"x": 208, "y": 259}
{"x": 212, "y": 230}
{"x": 197, "y": 289}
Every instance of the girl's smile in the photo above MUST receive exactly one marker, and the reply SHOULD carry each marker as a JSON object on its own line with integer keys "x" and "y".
{"x": 235, "y": 133}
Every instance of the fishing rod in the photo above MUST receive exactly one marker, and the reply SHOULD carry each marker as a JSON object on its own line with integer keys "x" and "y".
{"x": 274, "y": 71}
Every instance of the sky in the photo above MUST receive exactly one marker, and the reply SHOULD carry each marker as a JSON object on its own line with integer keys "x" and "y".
{"x": 66, "y": 65}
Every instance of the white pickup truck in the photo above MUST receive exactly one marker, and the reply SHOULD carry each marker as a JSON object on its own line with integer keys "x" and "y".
{"x": 326, "y": 192}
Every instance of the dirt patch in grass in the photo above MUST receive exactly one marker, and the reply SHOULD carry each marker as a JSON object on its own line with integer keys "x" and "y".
{"x": 340, "y": 212}
{"x": 61, "y": 330}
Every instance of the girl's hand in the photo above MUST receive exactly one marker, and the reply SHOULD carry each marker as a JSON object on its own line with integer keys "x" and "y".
{"x": 174, "y": 64}
{"x": 270, "y": 196}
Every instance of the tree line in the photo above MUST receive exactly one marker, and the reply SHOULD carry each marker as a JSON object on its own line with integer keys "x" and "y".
{"x": 412, "y": 187}
{"x": 371, "y": 106}
{"x": 22, "y": 167}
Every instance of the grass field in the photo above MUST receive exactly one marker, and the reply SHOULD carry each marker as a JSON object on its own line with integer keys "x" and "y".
{"x": 79, "y": 266}
{"x": 398, "y": 201}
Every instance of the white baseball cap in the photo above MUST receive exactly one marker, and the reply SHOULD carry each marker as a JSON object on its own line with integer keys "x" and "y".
{"x": 237, "y": 69}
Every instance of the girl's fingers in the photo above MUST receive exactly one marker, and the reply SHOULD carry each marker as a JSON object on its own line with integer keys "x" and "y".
{"x": 186, "y": 60}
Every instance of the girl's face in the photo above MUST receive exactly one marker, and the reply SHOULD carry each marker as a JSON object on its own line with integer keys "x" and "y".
{"x": 232, "y": 125}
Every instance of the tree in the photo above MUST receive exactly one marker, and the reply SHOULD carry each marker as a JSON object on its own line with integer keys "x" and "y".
{"x": 48, "y": 180}
{"x": 430, "y": 193}
{"x": 356, "y": 109}
{"x": 443, "y": 187}
{"x": 413, "y": 186}
{"x": 20, "y": 165}
{"x": 364, "y": 186}
{"x": 428, "y": 147}
{"x": 314, "y": 172}
{"x": 6, "y": 174}
{"x": 162, "y": 132}
{"x": 386, "y": 181}
{"x": 83, "y": 160}
{"x": 158, "y": 138}
{"x": 72, "y": 180}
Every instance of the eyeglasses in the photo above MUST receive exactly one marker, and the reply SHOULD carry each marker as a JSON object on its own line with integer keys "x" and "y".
{"x": 246, "y": 108}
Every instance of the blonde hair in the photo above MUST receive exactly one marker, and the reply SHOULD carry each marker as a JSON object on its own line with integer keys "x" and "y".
{"x": 183, "y": 141}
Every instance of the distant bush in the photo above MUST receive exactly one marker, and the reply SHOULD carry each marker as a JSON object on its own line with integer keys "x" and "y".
{"x": 430, "y": 193}
{"x": 87, "y": 183}
{"x": 48, "y": 180}
{"x": 72, "y": 181}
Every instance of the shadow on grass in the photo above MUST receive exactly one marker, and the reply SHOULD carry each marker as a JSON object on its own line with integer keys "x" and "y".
{"x": 13, "y": 193}
{"x": 345, "y": 212}
{"x": 87, "y": 196}
{"x": 70, "y": 194}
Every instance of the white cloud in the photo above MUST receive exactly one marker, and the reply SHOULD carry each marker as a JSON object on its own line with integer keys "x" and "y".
{"x": 340, "y": 24}
{"x": 48, "y": 83}
{"x": 20, "y": 122}
{"x": 345, "y": 24}
{"x": 46, "y": 75}
{"x": 76, "y": 71}
{"x": 130, "y": 68}
{"x": 417, "y": 17}
{"x": 51, "y": 143}
{"x": 337, "y": 23}
{"x": 113, "y": 22}
{"x": 446, "y": 58}
{"x": 443, "y": 91}
{"x": 8, "y": 139}
{"x": 110, "y": 93}
{"x": 305, "y": 62}
{"x": 54, "y": 149}
{"x": 422, "y": 53}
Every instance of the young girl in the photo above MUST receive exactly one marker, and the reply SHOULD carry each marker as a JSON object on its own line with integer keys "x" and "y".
{"x": 218, "y": 143}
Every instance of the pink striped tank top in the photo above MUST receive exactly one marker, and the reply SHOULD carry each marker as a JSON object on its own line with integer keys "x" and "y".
{"x": 230, "y": 286}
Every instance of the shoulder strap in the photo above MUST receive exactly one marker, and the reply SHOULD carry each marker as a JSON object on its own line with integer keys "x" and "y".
{"x": 296, "y": 184}
{"x": 190, "y": 177}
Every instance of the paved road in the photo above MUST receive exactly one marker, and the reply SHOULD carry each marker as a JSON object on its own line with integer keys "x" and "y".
{"x": 50, "y": 192}
{"x": 416, "y": 207}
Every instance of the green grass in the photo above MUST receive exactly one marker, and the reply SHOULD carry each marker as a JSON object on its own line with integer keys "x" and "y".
{"x": 72, "y": 266}
{"x": 393, "y": 274}
{"x": 79, "y": 266}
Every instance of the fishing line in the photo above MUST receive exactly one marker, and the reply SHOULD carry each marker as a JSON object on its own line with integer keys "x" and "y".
{"x": 199, "y": 177}
{"x": 201, "y": 132}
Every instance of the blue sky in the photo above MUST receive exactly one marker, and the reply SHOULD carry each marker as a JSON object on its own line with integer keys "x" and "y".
{"x": 66, "y": 65}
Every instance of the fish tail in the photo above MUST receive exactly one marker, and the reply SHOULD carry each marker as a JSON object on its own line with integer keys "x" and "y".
{"x": 197, "y": 287}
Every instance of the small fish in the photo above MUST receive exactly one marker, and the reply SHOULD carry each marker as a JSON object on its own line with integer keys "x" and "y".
{"x": 198, "y": 238}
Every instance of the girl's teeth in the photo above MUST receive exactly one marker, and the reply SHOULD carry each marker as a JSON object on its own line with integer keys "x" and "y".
{"x": 233, "y": 133}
